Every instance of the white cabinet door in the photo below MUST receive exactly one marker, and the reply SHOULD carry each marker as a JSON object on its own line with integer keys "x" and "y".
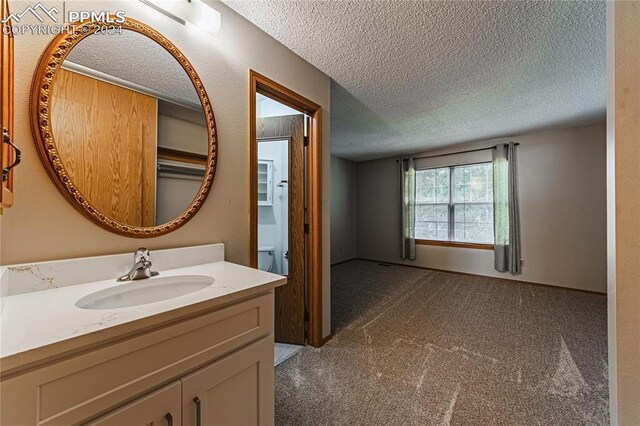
{"x": 159, "y": 408}
{"x": 234, "y": 391}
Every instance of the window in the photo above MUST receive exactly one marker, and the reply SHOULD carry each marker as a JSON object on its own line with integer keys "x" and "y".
{"x": 455, "y": 204}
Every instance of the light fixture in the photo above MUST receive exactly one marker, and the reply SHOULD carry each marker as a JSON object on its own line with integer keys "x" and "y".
{"x": 190, "y": 13}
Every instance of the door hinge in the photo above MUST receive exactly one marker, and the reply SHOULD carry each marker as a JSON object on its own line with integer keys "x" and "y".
{"x": 307, "y": 316}
{"x": 306, "y": 141}
{"x": 306, "y": 228}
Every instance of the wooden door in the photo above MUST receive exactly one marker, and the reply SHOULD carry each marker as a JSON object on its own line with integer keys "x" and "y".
{"x": 106, "y": 136}
{"x": 290, "y": 298}
{"x": 7, "y": 153}
{"x": 234, "y": 391}
{"x": 160, "y": 408}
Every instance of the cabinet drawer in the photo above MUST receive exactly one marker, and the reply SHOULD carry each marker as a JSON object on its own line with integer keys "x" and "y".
{"x": 81, "y": 387}
{"x": 159, "y": 408}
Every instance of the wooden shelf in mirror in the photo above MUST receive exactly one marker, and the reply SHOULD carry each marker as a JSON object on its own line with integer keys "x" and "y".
{"x": 181, "y": 156}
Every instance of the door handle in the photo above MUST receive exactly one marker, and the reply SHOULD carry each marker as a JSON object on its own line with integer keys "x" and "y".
{"x": 198, "y": 411}
{"x": 169, "y": 418}
{"x": 286, "y": 254}
{"x": 18, "y": 154}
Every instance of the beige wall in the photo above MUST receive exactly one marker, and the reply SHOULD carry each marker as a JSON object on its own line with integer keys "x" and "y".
{"x": 43, "y": 226}
{"x": 624, "y": 249}
{"x": 343, "y": 209}
{"x": 562, "y": 205}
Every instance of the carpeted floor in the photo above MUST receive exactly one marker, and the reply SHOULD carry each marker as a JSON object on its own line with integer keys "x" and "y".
{"x": 418, "y": 347}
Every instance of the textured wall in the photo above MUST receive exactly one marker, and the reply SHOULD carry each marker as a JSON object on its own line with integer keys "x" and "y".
{"x": 343, "y": 209}
{"x": 624, "y": 128}
{"x": 562, "y": 205}
{"x": 43, "y": 226}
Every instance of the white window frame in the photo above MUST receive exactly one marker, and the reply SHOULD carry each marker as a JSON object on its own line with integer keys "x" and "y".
{"x": 451, "y": 212}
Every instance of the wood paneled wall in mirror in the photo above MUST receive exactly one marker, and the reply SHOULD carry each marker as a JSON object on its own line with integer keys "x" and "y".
{"x": 124, "y": 127}
{"x": 110, "y": 142}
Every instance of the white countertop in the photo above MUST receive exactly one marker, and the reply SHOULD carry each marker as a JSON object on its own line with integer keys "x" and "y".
{"x": 40, "y": 325}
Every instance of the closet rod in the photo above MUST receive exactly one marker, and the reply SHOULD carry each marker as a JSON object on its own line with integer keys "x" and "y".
{"x": 459, "y": 152}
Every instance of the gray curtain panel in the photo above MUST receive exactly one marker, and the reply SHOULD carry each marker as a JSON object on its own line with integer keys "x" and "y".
{"x": 408, "y": 182}
{"x": 506, "y": 209}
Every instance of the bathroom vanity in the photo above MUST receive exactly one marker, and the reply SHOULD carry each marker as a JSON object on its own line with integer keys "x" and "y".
{"x": 77, "y": 347}
{"x": 190, "y": 346}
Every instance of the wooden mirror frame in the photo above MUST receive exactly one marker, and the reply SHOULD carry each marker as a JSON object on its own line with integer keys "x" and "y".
{"x": 41, "y": 90}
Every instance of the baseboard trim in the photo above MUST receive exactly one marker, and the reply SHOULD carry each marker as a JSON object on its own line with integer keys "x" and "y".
{"x": 598, "y": 293}
{"x": 344, "y": 261}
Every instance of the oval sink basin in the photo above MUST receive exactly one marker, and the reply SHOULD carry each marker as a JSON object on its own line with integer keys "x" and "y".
{"x": 135, "y": 293}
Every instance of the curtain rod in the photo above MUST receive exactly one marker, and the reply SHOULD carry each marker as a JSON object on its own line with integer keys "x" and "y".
{"x": 456, "y": 153}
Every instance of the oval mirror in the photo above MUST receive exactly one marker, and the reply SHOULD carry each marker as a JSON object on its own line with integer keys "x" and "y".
{"x": 124, "y": 127}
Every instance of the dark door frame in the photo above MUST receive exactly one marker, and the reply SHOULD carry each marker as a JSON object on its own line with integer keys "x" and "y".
{"x": 258, "y": 83}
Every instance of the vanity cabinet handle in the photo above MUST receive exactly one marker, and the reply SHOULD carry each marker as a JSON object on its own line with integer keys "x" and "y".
{"x": 169, "y": 418}
{"x": 198, "y": 411}
{"x": 7, "y": 139}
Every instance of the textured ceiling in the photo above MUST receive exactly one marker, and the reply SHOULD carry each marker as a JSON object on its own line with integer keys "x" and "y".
{"x": 416, "y": 75}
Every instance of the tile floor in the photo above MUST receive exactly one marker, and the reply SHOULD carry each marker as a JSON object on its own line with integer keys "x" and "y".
{"x": 282, "y": 351}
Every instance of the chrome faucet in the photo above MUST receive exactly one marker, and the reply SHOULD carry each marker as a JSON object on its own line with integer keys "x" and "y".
{"x": 141, "y": 267}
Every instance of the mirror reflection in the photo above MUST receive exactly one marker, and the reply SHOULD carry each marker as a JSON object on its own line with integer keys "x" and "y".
{"x": 129, "y": 128}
